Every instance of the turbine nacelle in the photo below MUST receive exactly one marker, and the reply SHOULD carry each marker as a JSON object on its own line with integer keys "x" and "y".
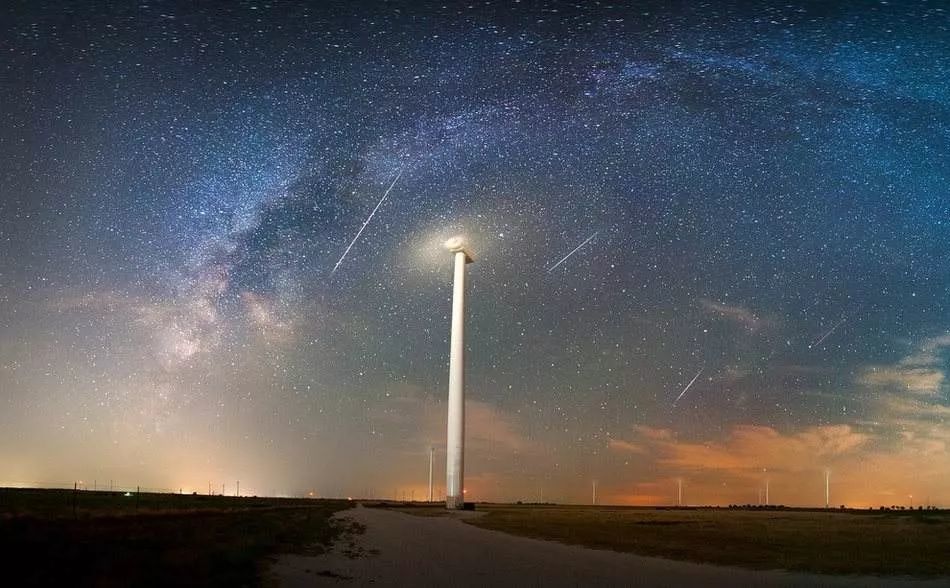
{"x": 457, "y": 244}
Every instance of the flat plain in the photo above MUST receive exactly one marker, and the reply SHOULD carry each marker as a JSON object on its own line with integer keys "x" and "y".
{"x": 399, "y": 549}
{"x": 830, "y": 541}
{"x": 86, "y": 538}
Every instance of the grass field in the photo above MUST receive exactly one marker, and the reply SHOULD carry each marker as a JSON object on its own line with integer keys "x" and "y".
{"x": 913, "y": 543}
{"x": 153, "y": 539}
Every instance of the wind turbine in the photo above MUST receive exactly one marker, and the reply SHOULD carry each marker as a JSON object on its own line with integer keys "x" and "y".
{"x": 455, "y": 434}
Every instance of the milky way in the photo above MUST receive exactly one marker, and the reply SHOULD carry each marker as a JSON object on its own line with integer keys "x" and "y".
{"x": 767, "y": 183}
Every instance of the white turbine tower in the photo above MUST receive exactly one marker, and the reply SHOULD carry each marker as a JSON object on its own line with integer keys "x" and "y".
{"x": 455, "y": 438}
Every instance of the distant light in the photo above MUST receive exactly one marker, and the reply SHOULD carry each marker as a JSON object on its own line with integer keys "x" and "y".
{"x": 128, "y": 494}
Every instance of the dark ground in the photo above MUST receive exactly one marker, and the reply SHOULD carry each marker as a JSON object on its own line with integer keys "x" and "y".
{"x": 887, "y": 543}
{"x": 823, "y": 541}
{"x": 110, "y": 539}
{"x": 398, "y": 549}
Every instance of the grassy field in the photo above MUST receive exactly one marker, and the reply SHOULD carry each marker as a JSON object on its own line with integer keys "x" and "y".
{"x": 153, "y": 539}
{"x": 833, "y": 542}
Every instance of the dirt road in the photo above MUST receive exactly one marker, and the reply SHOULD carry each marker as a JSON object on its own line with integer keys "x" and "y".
{"x": 405, "y": 550}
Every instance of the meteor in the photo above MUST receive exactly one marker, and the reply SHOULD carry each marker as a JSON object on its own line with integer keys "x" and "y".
{"x": 576, "y": 249}
{"x": 366, "y": 222}
{"x": 828, "y": 333}
{"x": 688, "y": 386}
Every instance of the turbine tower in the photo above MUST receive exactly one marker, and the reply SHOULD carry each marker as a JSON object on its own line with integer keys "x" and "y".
{"x": 455, "y": 438}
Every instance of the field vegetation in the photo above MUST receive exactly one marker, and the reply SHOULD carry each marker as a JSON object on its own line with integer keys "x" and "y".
{"x": 894, "y": 542}
{"x": 60, "y": 538}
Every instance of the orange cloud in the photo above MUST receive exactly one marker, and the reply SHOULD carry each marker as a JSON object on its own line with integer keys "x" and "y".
{"x": 868, "y": 467}
{"x": 748, "y": 448}
{"x": 619, "y": 445}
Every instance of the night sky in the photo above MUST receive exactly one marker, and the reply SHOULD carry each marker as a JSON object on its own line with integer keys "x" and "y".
{"x": 760, "y": 191}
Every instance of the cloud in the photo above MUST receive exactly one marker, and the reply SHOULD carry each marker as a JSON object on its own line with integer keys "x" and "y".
{"x": 908, "y": 396}
{"x": 901, "y": 449}
{"x": 738, "y": 314}
{"x": 418, "y": 420}
{"x": 917, "y": 380}
{"x": 502, "y": 460}
{"x": 901, "y": 410}
{"x": 493, "y": 428}
{"x": 626, "y": 446}
{"x": 919, "y": 373}
{"x": 751, "y": 447}
{"x": 868, "y": 466}
{"x": 747, "y": 449}
{"x": 928, "y": 352}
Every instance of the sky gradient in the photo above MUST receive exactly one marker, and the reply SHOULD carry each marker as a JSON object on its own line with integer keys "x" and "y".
{"x": 760, "y": 189}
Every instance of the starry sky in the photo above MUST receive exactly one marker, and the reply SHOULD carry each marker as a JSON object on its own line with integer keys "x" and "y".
{"x": 759, "y": 191}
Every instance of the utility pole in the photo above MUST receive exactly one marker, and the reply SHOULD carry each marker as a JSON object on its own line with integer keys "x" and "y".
{"x": 679, "y": 491}
{"x": 593, "y": 498}
{"x": 827, "y": 489}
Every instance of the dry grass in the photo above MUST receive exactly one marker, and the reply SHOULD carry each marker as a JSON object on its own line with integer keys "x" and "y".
{"x": 892, "y": 543}
{"x": 169, "y": 540}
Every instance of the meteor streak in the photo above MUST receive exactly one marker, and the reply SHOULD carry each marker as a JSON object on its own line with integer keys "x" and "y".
{"x": 576, "y": 249}
{"x": 828, "y": 333}
{"x": 688, "y": 386}
{"x": 366, "y": 222}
